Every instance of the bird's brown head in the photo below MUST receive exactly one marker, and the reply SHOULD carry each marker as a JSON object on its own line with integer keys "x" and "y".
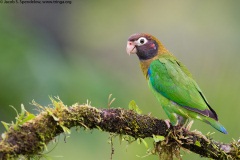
{"x": 144, "y": 45}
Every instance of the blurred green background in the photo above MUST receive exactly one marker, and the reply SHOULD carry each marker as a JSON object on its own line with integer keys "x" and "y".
{"x": 78, "y": 52}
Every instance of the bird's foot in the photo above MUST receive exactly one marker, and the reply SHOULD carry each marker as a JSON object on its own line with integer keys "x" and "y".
{"x": 167, "y": 121}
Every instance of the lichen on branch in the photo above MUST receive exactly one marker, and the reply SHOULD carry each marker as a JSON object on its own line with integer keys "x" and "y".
{"x": 30, "y": 134}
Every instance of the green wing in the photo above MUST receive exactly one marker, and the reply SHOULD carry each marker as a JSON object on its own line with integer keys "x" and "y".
{"x": 172, "y": 79}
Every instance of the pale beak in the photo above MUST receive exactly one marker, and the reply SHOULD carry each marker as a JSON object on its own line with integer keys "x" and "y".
{"x": 131, "y": 48}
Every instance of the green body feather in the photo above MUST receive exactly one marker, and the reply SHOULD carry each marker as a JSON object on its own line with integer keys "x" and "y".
{"x": 178, "y": 93}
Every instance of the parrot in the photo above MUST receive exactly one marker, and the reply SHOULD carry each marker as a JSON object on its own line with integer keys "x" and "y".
{"x": 171, "y": 82}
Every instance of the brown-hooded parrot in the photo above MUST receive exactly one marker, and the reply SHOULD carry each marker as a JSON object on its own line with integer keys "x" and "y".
{"x": 171, "y": 82}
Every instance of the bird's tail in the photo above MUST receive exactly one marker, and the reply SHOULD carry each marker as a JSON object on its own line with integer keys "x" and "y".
{"x": 215, "y": 124}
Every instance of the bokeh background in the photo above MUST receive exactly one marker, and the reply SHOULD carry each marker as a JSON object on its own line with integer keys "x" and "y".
{"x": 77, "y": 52}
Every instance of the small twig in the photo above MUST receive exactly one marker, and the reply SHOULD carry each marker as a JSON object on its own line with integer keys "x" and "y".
{"x": 110, "y": 101}
{"x": 112, "y": 149}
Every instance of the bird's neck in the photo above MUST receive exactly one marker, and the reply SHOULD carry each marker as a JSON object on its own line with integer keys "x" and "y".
{"x": 144, "y": 64}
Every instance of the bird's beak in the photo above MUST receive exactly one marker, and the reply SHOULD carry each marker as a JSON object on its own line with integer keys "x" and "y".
{"x": 131, "y": 48}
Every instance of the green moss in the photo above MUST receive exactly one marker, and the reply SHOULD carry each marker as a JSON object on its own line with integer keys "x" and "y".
{"x": 29, "y": 135}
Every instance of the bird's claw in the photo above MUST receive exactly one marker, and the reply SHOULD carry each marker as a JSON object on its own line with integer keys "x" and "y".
{"x": 167, "y": 121}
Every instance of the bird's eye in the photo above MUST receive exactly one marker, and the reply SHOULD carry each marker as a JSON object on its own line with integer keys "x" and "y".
{"x": 142, "y": 41}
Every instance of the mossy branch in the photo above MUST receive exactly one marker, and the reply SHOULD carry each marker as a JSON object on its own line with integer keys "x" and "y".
{"x": 29, "y": 138}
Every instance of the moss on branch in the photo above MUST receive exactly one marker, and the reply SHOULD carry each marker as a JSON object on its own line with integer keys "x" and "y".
{"x": 30, "y": 137}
